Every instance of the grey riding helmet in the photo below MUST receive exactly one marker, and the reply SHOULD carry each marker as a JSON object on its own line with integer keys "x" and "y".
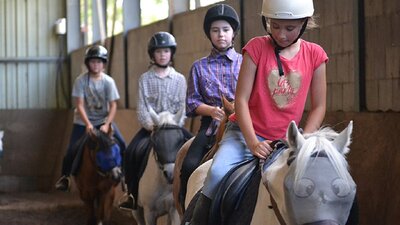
{"x": 161, "y": 39}
{"x": 96, "y": 52}
{"x": 221, "y": 12}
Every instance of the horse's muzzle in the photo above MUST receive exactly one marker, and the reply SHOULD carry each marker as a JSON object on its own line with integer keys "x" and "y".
{"x": 116, "y": 174}
{"x": 323, "y": 222}
{"x": 168, "y": 171}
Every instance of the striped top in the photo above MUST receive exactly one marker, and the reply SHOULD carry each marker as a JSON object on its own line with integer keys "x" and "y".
{"x": 213, "y": 76}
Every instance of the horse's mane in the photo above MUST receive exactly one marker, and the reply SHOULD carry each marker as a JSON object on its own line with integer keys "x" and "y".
{"x": 320, "y": 142}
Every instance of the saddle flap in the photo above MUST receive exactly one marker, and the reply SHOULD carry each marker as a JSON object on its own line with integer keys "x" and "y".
{"x": 231, "y": 190}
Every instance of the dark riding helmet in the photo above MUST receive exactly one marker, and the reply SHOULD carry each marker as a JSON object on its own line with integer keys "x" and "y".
{"x": 221, "y": 12}
{"x": 161, "y": 40}
{"x": 96, "y": 52}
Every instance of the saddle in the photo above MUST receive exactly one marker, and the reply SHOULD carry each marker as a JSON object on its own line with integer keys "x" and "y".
{"x": 137, "y": 162}
{"x": 235, "y": 187}
{"x": 231, "y": 191}
{"x": 78, "y": 151}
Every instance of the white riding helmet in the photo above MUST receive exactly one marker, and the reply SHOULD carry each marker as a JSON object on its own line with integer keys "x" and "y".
{"x": 287, "y": 9}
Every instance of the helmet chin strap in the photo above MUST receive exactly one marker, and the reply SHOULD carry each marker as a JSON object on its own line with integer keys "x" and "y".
{"x": 161, "y": 66}
{"x": 153, "y": 62}
{"x": 278, "y": 48}
{"x": 223, "y": 50}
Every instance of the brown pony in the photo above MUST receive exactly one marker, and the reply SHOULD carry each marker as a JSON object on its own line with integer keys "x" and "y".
{"x": 228, "y": 108}
{"x": 96, "y": 186}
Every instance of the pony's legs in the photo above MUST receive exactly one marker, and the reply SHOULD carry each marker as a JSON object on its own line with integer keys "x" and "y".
{"x": 91, "y": 219}
{"x": 138, "y": 215}
{"x": 173, "y": 217}
{"x": 106, "y": 205}
{"x": 149, "y": 217}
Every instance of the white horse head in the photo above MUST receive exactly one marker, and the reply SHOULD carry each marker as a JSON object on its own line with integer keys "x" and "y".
{"x": 310, "y": 182}
{"x": 155, "y": 187}
{"x": 167, "y": 117}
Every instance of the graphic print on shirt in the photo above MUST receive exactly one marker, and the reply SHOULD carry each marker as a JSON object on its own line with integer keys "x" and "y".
{"x": 93, "y": 98}
{"x": 283, "y": 89}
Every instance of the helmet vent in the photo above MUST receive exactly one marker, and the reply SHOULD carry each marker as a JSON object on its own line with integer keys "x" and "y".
{"x": 221, "y": 10}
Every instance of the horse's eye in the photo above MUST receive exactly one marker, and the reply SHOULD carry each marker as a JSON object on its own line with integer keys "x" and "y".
{"x": 340, "y": 187}
{"x": 304, "y": 188}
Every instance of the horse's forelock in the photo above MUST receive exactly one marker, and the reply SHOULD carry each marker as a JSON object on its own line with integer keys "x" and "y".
{"x": 105, "y": 142}
{"x": 166, "y": 118}
{"x": 317, "y": 143}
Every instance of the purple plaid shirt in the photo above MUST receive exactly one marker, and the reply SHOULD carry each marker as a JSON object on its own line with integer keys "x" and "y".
{"x": 212, "y": 76}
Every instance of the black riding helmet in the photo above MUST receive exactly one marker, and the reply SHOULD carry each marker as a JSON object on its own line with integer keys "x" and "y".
{"x": 161, "y": 40}
{"x": 96, "y": 52}
{"x": 221, "y": 12}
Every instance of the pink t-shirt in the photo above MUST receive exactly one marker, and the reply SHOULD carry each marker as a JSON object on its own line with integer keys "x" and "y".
{"x": 275, "y": 100}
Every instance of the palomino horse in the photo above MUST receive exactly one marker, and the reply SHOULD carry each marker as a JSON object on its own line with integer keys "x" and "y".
{"x": 307, "y": 183}
{"x": 155, "y": 186}
{"x": 97, "y": 183}
{"x": 228, "y": 108}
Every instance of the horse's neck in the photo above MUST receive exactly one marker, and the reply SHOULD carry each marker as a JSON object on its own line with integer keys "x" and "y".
{"x": 274, "y": 177}
{"x": 263, "y": 214}
{"x": 152, "y": 170}
{"x": 88, "y": 160}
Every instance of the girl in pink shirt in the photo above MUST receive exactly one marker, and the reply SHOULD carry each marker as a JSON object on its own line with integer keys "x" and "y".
{"x": 277, "y": 73}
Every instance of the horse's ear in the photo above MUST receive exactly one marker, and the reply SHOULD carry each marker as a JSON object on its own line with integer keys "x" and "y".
{"x": 294, "y": 137}
{"x": 179, "y": 118}
{"x": 154, "y": 116}
{"x": 343, "y": 140}
{"x": 111, "y": 131}
{"x": 229, "y": 107}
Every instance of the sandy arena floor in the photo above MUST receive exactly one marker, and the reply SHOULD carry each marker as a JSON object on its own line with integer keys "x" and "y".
{"x": 49, "y": 208}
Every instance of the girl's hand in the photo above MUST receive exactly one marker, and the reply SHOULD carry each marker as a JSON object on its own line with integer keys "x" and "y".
{"x": 217, "y": 113}
{"x": 89, "y": 129}
{"x": 261, "y": 149}
{"x": 104, "y": 128}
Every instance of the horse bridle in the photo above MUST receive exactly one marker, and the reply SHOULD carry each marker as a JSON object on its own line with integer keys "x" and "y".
{"x": 157, "y": 128}
{"x": 96, "y": 133}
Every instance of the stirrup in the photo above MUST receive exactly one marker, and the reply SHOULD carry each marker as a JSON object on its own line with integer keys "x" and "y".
{"x": 63, "y": 184}
{"x": 128, "y": 204}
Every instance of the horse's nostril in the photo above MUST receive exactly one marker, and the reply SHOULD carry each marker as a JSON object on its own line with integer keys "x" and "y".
{"x": 169, "y": 176}
{"x": 323, "y": 222}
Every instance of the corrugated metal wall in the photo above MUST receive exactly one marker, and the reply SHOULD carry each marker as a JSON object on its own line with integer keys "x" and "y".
{"x": 29, "y": 51}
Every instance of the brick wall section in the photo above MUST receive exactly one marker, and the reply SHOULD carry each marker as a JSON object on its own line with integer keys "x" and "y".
{"x": 336, "y": 35}
{"x": 382, "y": 35}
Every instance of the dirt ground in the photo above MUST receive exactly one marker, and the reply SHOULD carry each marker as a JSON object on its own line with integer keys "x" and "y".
{"x": 49, "y": 208}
